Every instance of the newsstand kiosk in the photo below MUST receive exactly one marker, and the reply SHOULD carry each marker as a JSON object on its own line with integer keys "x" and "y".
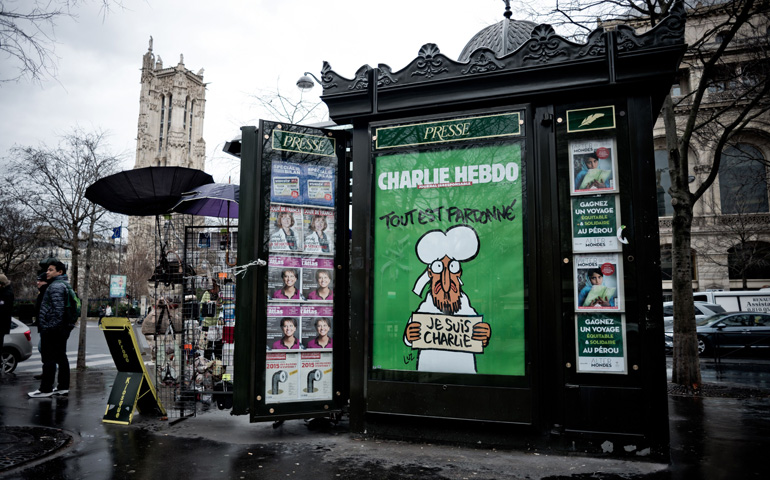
{"x": 501, "y": 281}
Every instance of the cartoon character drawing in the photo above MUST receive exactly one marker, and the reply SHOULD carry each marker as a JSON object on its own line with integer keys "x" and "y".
{"x": 443, "y": 254}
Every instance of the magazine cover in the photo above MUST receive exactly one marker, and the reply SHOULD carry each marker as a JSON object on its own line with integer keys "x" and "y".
{"x": 285, "y": 183}
{"x": 598, "y": 282}
{"x": 318, "y": 279}
{"x": 319, "y": 231}
{"x": 319, "y": 188}
{"x": 592, "y": 166}
{"x": 277, "y": 319}
{"x": 315, "y": 376}
{"x": 595, "y": 223}
{"x": 282, "y": 377}
{"x": 601, "y": 342}
{"x": 286, "y": 228}
{"x": 317, "y": 327}
{"x": 284, "y": 278}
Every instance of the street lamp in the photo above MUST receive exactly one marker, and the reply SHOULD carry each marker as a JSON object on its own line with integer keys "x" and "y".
{"x": 305, "y": 82}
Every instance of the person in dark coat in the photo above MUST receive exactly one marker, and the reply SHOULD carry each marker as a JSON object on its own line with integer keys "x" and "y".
{"x": 54, "y": 332}
{"x": 6, "y": 310}
{"x": 42, "y": 286}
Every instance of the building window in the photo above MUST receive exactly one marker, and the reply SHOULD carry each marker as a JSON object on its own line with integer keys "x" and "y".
{"x": 168, "y": 122}
{"x": 749, "y": 260}
{"x": 663, "y": 183}
{"x": 720, "y": 37}
{"x": 162, "y": 118}
{"x": 190, "y": 128}
{"x": 184, "y": 117}
{"x": 743, "y": 180}
{"x": 667, "y": 263}
{"x": 681, "y": 86}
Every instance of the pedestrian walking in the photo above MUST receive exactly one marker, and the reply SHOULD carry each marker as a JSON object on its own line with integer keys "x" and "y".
{"x": 6, "y": 310}
{"x": 54, "y": 329}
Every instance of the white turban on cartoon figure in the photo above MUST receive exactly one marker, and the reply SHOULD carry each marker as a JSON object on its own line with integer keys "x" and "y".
{"x": 443, "y": 254}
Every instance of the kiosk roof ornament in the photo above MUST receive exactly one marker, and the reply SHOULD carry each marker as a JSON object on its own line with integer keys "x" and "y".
{"x": 502, "y": 38}
{"x": 507, "y": 62}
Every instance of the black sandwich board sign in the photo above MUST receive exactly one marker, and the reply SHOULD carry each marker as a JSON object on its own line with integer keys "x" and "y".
{"x": 132, "y": 389}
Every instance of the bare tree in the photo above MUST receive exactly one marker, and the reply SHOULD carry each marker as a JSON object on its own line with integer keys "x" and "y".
{"x": 293, "y": 108}
{"x": 51, "y": 182}
{"x": 138, "y": 269}
{"x": 19, "y": 239}
{"x": 729, "y": 49}
{"x": 27, "y": 34}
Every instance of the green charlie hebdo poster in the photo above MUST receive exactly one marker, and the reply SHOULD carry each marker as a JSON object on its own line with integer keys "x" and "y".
{"x": 448, "y": 261}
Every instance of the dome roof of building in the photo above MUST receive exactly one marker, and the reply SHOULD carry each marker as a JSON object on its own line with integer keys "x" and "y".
{"x": 503, "y": 38}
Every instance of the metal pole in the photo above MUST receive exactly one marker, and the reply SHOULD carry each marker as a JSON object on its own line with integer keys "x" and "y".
{"x": 120, "y": 248}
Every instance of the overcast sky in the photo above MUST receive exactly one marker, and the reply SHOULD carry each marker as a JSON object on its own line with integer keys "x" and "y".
{"x": 243, "y": 45}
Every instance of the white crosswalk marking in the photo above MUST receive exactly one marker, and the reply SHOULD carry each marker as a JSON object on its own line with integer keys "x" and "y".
{"x": 34, "y": 364}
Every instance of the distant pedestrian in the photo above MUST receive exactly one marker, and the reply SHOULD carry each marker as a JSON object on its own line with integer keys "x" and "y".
{"x": 108, "y": 311}
{"x": 54, "y": 331}
{"x": 6, "y": 310}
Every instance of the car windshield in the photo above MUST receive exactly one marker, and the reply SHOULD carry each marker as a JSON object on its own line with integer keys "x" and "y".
{"x": 710, "y": 320}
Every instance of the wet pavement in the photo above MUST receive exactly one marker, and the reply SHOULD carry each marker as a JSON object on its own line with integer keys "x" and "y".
{"x": 722, "y": 435}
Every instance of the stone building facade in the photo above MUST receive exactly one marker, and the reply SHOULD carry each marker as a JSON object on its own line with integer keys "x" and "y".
{"x": 172, "y": 104}
{"x": 731, "y": 224}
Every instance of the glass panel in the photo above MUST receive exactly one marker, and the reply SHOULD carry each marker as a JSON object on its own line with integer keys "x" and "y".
{"x": 300, "y": 224}
{"x": 449, "y": 260}
{"x": 743, "y": 180}
{"x": 663, "y": 183}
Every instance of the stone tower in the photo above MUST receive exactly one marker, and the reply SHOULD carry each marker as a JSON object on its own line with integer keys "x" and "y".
{"x": 169, "y": 134}
{"x": 171, "y": 108}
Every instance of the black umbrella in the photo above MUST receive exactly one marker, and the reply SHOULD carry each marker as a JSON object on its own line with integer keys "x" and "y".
{"x": 146, "y": 191}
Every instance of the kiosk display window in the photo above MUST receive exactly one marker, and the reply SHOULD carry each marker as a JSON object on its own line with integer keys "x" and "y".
{"x": 300, "y": 226}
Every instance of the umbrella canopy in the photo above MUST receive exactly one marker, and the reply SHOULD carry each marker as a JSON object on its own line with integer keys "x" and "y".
{"x": 211, "y": 200}
{"x": 146, "y": 191}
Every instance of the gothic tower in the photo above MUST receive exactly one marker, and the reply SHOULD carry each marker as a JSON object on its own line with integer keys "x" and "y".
{"x": 171, "y": 108}
{"x": 169, "y": 134}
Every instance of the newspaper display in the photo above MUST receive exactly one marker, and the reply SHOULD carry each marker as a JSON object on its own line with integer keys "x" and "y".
{"x": 286, "y": 228}
{"x": 598, "y": 282}
{"x": 282, "y": 377}
{"x": 319, "y": 185}
{"x": 593, "y": 166}
{"x": 595, "y": 223}
{"x": 318, "y": 279}
{"x": 283, "y": 274}
{"x": 315, "y": 375}
{"x": 319, "y": 227}
{"x": 285, "y": 183}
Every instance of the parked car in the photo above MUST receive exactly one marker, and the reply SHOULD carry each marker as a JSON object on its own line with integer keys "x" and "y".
{"x": 702, "y": 310}
{"x": 17, "y": 346}
{"x": 734, "y": 330}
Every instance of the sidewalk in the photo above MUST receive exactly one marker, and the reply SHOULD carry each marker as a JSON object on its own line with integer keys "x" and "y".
{"x": 710, "y": 439}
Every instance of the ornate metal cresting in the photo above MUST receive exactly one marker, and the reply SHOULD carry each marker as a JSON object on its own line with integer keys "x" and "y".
{"x": 608, "y": 56}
